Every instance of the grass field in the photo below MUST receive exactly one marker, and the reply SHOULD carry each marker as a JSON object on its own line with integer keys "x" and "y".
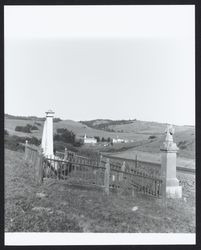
{"x": 152, "y": 157}
{"x": 56, "y": 206}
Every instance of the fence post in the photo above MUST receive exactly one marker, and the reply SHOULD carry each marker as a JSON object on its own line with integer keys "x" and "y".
{"x": 25, "y": 150}
{"x": 163, "y": 191}
{"x": 123, "y": 167}
{"x": 107, "y": 176}
{"x": 100, "y": 159}
{"x": 40, "y": 167}
{"x": 66, "y": 154}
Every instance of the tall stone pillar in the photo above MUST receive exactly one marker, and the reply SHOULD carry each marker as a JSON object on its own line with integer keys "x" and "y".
{"x": 168, "y": 164}
{"x": 47, "y": 138}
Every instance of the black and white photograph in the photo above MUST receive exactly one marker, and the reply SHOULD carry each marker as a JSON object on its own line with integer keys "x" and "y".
{"x": 99, "y": 124}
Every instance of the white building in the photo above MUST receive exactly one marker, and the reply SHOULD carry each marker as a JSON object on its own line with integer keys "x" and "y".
{"x": 89, "y": 140}
{"x": 118, "y": 140}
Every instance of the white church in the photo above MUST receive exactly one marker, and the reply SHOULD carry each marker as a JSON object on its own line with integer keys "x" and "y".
{"x": 89, "y": 140}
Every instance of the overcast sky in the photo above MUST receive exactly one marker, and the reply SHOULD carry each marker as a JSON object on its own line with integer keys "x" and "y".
{"x": 89, "y": 62}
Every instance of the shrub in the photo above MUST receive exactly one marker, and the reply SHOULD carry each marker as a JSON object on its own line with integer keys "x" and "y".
{"x": 152, "y": 137}
{"x": 61, "y": 130}
{"x": 15, "y": 142}
{"x": 77, "y": 144}
{"x": 35, "y": 141}
{"x": 6, "y": 132}
{"x": 182, "y": 144}
{"x": 34, "y": 128}
{"x": 24, "y": 129}
{"x": 60, "y": 146}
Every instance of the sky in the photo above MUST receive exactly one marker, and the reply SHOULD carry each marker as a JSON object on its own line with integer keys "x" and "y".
{"x": 93, "y": 62}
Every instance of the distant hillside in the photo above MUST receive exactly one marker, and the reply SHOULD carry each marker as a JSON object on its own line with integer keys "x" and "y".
{"x": 142, "y": 135}
{"x": 131, "y": 126}
{"x": 106, "y": 124}
{"x": 35, "y": 118}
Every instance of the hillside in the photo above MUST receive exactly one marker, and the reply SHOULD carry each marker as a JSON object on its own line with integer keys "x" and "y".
{"x": 106, "y": 124}
{"x": 56, "y": 206}
{"x": 143, "y": 136}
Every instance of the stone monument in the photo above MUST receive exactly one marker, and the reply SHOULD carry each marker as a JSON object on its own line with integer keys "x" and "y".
{"x": 47, "y": 138}
{"x": 168, "y": 165}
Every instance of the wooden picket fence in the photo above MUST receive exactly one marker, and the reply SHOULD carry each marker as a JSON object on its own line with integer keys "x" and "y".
{"x": 111, "y": 175}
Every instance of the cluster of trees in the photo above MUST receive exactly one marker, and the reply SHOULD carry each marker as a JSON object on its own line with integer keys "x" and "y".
{"x": 26, "y": 129}
{"x": 15, "y": 143}
{"x": 64, "y": 135}
{"x": 103, "y": 139}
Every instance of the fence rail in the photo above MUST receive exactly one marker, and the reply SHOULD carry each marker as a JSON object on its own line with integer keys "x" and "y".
{"x": 110, "y": 174}
{"x": 132, "y": 178}
{"x": 74, "y": 171}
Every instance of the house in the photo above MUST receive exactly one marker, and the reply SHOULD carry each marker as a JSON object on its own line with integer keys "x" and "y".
{"x": 118, "y": 140}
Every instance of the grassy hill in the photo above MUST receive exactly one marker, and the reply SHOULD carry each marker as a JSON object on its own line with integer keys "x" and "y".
{"x": 56, "y": 206}
{"x": 139, "y": 133}
{"x": 106, "y": 124}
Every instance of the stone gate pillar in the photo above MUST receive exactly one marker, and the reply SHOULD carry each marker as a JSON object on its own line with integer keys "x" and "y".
{"x": 168, "y": 165}
{"x": 47, "y": 138}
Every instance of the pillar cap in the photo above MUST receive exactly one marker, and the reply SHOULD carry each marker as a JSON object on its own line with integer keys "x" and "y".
{"x": 169, "y": 146}
{"x": 49, "y": 113}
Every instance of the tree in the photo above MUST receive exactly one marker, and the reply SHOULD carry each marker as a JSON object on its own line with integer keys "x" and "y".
{"x": 97, "y": 138}
{"x": 65, "y": 135}
{"x": 24, "y": 129}
{"x": 103, "y": 139}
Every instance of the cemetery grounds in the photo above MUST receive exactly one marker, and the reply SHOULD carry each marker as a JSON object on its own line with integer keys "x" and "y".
{"x": 56, "y": 206}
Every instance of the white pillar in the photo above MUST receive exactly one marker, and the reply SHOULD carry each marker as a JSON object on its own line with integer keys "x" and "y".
{"x": 44, "y": 136}
{"x": 47, "y": 138}
{"x": 168, "y": 165}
